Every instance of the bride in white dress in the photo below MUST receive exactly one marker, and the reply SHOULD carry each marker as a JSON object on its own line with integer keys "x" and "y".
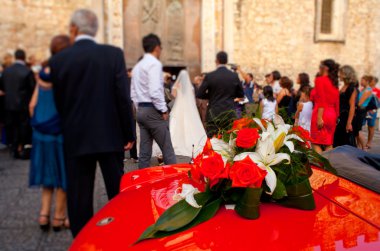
{"x": 186, "y": 128}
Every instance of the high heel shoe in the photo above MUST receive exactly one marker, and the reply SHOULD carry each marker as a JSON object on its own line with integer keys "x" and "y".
{"x": 45, "y": 226}
{"x": 61, "y": 225}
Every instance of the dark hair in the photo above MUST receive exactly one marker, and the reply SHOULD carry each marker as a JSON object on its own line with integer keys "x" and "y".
{"x": 268, "y": 93}
{"x": 306, "y": 89}
{"x": 375, "y": 79}
{"x": 304, "y": 79}
{"x": 58, "y": 43}
{"x": 20, "y": 54}
{"x": 286, "y": 82}
{"x": 276, "y": 75}
{"x": 250, "y": 75}
{"x": 268, "y": 75}
{"x": 333, "y": 69}
{"x": 150, "y": 42}
{"x": 368, "y": 78}
{"x": 222, "y": 57}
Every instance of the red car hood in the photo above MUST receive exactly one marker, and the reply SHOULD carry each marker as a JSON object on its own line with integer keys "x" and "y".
{"x": 347, "y": 217}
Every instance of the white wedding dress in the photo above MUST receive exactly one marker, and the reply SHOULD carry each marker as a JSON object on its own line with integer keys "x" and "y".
{"x": 186, "y": 128}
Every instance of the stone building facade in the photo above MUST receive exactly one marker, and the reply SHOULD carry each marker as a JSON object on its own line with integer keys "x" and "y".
{"x": 291, "y": 36}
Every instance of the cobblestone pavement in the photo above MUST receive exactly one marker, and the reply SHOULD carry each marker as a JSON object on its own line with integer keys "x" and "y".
{"x": 19, "y": 206}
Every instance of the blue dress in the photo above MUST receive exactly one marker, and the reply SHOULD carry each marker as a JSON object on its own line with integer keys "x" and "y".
{"x": 47, "y": 159}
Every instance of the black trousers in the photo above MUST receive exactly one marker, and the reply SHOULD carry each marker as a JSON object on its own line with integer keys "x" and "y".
{"x": 17, "y": 128}
{"x": 80, "y": 184}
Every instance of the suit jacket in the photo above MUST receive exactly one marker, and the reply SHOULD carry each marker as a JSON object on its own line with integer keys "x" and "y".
{"x": 220, "y": 87}
{"x": 92, "y": 96}
{"x": 17, "y": 81}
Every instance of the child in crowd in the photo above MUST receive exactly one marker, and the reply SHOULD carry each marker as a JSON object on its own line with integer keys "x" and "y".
{"x": 268, "y": 106}
{"x": 304, "y": 109}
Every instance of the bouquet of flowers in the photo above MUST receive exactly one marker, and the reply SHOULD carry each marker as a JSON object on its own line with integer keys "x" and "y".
{"x": 254, "y": 160}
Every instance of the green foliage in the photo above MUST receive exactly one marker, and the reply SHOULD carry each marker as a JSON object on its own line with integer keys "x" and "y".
{"x": 319, "y": 161}
{"x": 280, "y": 191}
{"x": 284, "y": 114}
{"x": 222, "y": 122}
{"x": 181, "y": 216}
{"x": 296, "y": 171}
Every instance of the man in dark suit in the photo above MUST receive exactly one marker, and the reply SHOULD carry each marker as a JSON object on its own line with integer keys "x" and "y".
{"x": 92, "y": 95}
{"x": 17, "y": 82}
{"x": 221, "y": 87}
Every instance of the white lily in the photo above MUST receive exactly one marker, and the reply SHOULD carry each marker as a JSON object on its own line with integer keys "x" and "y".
{"x": 265, "y": 156}
{"x": 226, "y": 150}
{"x": 187, "y": 193}
{"x": 280, "y": 135}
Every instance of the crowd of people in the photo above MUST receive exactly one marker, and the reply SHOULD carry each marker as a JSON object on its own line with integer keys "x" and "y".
{"x": 88, "y": 109}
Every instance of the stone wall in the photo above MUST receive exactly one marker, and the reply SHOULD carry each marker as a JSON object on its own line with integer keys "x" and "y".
{"x": 274, "y": 34}
{"x": 30, "y": 24}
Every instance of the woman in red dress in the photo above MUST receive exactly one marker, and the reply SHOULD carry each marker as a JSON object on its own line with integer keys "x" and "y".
{"x": 326, "y": 106}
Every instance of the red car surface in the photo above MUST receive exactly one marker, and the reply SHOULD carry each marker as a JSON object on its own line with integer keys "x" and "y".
{"x": 347, "y": 217}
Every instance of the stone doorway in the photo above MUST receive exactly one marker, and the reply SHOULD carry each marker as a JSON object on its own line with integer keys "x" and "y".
{"x": 176, "y": 22}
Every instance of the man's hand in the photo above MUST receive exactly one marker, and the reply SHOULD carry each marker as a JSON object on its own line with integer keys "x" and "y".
{"x": 129, "y": 146}
{"x": 165, "y": 116}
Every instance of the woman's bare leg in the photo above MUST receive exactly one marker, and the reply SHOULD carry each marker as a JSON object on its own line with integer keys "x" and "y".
{"x": 47, "y": 194}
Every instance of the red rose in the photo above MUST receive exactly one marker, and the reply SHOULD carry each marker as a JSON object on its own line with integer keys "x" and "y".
{"x": 302, "y": 133}
{"x": 195, "y": 169}
{"x": 247, "y": 137}
{"x": 207, "y": 149}
{"x": 241, "y": 123}
{"x": 212, "y": 166}
{"x": 246, "y": 173}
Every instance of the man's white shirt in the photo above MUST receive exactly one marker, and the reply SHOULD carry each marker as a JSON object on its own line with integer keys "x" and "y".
{"x": 147, "y": 84}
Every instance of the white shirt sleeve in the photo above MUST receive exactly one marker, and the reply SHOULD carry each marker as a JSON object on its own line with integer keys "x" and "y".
{"x": 156, "y": 87}
{"x": 133, "y": 92}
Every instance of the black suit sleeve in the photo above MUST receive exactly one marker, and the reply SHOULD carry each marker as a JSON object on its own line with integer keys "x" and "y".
{"x": 58, "y": 94}
{"x": 31, "y": 83}
{"x": 202, "y": 92}
{"x": 1, "y": 83}
{"x": 123, "y": 99}
{"x": 239, "y": 88}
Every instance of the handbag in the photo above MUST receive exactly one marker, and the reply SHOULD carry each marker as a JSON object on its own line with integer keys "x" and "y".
{"x": 373, "y": 104}
{"x": 351, "y": 139}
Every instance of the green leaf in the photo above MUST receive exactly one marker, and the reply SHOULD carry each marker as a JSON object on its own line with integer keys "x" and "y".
{"x": 177, "y": 216}
{"x": 181, "y": 213}
{"x": 280, "y": 191}
{"x": 147, "y": 234}
{"x": 320, "y": 161}
{"x": 206, "y": 213}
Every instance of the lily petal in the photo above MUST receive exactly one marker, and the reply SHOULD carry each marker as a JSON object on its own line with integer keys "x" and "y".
{"x": 191, "y": 200}
{"x": 290, "y": 145}
{"x": 187, "y": 193}
{"x": 270, "y": 129}
{"x": 277, "y": 120}
{"x": 271, "y": 179}
{"x": 280, "y": 157}
{"x": 293, "y": 136}
{"x": 279, "y": 141}
{"x": 242, "y": 156}
{"x": 258, "y": 122}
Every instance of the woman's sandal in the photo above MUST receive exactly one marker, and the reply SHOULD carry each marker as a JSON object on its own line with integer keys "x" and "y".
{"x": 62, "y": 224}
{"x": 46, "y": 225}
